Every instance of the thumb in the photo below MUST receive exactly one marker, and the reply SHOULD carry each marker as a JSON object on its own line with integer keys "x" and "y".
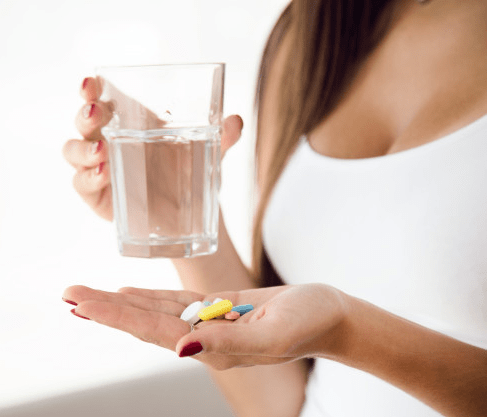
{"x": 227, "y": 339}
{"x": 232, "y": 129}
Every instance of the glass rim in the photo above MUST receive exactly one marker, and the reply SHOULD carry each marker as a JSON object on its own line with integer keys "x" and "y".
{"x": 155, "y": 66}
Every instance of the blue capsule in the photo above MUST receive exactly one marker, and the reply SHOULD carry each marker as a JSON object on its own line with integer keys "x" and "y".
{"x": 245, "y": 308}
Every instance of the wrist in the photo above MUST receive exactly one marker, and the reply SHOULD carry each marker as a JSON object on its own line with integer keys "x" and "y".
{"x": 335, "y": 327}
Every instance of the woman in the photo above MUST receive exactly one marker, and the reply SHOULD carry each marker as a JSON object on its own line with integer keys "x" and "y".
{"x": 371, "y": 146}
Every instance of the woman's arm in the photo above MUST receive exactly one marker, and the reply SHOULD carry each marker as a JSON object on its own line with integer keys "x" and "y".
{"x": 293, "y": 322}
{"x": 258, "y": 391}
{"x": 251, "y": 392}
{"x": 315, "y": 320}
{"x": 221, "y": 271}
{"x": 448, "y": 375}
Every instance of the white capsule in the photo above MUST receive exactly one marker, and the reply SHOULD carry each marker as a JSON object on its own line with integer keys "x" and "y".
{"x": 190, "y": 313}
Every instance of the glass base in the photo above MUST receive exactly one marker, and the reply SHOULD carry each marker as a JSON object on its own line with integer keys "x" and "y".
{"x": 184, "y": 249}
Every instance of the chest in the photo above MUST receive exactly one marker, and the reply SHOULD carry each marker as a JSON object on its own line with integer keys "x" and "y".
{"x": 407, "y": 232}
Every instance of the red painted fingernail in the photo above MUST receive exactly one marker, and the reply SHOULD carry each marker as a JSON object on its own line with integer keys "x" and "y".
{"x": 99, "y": 168}
{"x": 85, "y": 83}
{"x": 79, "y": 315}
{"x": 96, "y": 147}
{"x": 88, "y": 110}
{"x": 69, "y": 301}
{"x": 191, "y": 349}
{"x": 92, "y": 109}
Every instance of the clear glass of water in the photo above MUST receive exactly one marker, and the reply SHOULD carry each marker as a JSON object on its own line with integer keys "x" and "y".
{"x": 164, "y": 144}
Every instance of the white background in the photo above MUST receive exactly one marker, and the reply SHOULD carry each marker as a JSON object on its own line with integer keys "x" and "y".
{"x": 49, "y": 239}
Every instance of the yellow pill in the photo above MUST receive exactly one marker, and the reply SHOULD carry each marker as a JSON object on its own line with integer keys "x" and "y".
{"x": 215, "y": 310}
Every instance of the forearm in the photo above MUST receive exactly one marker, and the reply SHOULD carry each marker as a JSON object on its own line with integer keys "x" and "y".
{"x": 448, "y": 375}
{"x": 257, "y": 391}
{"x": 222, "y": 271}
{"x": 265, "y": 391}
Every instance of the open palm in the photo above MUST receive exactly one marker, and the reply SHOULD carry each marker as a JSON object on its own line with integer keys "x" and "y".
{"x": 287, "y": 323}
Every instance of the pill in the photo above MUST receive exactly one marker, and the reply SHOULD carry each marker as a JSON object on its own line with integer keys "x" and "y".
{"x": 232, "y": 315}
{"x": 217, "y": 300}
{"x": 190, "y": 314}
{"x": 215, "y": 310}
{"x": 245, "y": 308}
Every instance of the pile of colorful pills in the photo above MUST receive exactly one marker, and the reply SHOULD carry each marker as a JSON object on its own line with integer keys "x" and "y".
{"x": 204, "y": 310}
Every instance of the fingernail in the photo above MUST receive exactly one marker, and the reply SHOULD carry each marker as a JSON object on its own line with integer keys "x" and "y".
{"x": 85, "y": 83}
{"x": 69, "y": 301}
{"x": 191, "y": 349}
{"x": 96, "y": 147}
{"x": 241, "y": 122}
{"x": 99, "y": 168}
{"x": 88, "y": 110}
{"x": 79, "y": 315}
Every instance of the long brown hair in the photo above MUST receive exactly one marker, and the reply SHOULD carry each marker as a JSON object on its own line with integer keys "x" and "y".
{"x": 329, "y": 38}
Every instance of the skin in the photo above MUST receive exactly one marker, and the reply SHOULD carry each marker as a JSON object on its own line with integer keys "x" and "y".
{"x": 253, "y": 339}
{"x": 418, "y": 93}
{"x": 292, "y": 322}
{"x": 209, "y": 274}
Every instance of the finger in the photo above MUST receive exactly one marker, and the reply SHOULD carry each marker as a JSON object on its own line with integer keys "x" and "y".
{"x": 90, "y": 89}
{"x": 83, "y": 153}
{"x": 231, "y": 358}
{"x": 89, "y": 182}
{"x": 232, "y": 130}
{"x": 91, "y": 118}
{"x": 153, "y": 327}
{"x": 233, "y": 296}
{"x": 182, "y": 297}
{"x": 257, "y": 339}
{"x": 79, "y": 294}
{"x": 100, "y": 200}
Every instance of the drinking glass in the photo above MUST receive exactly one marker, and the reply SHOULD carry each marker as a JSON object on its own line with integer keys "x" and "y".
{"x": 164, "y": 146}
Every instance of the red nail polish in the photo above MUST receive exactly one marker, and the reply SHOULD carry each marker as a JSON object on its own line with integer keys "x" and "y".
{"x": 191, "y": 349}
{"x": 92, "y": 109}
{"x": 69, "y": 301}
{"x": 99, "y": 168}
{"x": 95, "y": 147}
{"x": 88, "y": 110}
{"x": 79, "y": 315}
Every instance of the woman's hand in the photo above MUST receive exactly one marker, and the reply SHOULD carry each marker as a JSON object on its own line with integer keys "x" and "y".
{"x": 287, "y": 323}
{"x": 291, "y": 322}
{"x": 89, "y": 156}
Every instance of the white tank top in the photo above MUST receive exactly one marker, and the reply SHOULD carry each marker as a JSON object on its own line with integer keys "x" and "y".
{"x": 406, "y": 232}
